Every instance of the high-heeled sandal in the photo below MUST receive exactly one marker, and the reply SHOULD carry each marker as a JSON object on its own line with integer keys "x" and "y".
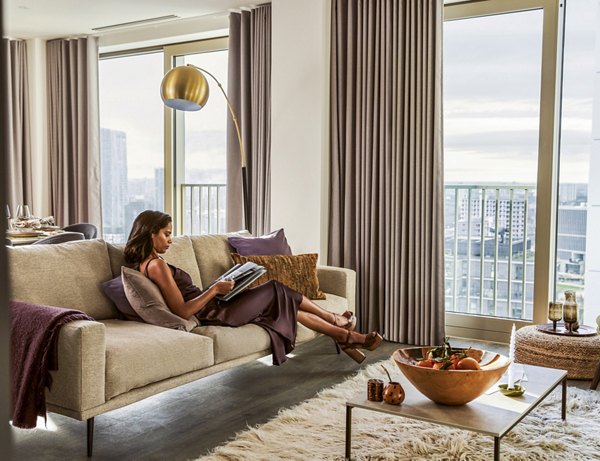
{"x": 372, "y": 341}
{"x": 351, "y": 350}
{"x": 350, "y": 325}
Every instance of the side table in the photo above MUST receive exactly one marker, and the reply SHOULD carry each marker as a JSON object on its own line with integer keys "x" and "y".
{"x": 579, "y": 355}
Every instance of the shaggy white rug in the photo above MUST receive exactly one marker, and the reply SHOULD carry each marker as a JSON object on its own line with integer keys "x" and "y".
{"x": 315, "y": 430}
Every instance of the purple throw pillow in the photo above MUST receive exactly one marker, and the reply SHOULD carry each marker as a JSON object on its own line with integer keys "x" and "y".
{"x": 116, "y": 292}
{"x": 274, "y": 243}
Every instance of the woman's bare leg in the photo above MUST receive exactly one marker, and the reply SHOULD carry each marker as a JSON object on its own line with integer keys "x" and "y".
{"x": 321, "y": 325}
{"x": 334, "y": 319}
{"x": 348, "y": 340}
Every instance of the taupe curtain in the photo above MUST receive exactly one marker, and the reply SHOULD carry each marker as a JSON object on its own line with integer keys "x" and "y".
{"x": 73, "y": 130}
{"x": 386, "y": 195}
{"x": 18, "y": 141}
{"x": 249, "y": 88}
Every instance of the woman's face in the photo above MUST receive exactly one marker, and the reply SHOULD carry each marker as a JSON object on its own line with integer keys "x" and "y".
{"x": 162, "y": 239}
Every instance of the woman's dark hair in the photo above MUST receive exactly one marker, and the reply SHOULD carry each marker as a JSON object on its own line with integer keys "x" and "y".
{"x": 139, "y": 243}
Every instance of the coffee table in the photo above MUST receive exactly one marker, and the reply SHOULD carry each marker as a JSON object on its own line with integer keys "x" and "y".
{"x": 492, "y": 413}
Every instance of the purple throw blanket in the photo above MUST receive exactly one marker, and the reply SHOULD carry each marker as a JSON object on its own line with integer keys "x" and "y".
{"x": 34, "y": 332}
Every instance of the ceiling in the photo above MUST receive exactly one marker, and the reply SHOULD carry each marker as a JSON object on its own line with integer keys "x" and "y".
{"x": 47, "y": 19}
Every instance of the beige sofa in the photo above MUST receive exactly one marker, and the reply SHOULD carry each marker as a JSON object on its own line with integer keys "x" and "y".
{"x": 109, "y": 363}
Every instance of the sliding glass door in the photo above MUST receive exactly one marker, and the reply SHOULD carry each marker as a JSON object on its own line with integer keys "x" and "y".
{"x": 499, "y": 120}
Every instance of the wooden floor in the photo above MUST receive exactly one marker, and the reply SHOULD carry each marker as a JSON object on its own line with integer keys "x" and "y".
{"x": 186, "y": 422}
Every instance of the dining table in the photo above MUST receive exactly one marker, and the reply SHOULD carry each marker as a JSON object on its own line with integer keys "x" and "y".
{"x": 27, "y": 236}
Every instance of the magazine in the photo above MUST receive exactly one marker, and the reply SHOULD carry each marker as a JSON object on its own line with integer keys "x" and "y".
{"x": 243, "y": 275}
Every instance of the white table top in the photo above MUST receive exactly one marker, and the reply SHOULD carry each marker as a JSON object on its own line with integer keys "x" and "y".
{"x": 492, "y": 413}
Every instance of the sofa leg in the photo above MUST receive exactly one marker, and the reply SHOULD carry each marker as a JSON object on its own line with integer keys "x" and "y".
{"x": 90, "y": 436}
{"x": 337, "y": 347}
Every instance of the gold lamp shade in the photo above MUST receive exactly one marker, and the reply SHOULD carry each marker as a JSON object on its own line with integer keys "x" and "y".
{"x": 184, "y": 88}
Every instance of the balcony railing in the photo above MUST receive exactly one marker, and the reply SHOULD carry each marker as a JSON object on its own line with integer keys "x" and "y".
{"x": 203, "y": 208}
{"x": 489, "y": 249}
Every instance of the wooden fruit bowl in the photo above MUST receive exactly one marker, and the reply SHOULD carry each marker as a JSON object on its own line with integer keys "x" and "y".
{"x": 450, "y": 387}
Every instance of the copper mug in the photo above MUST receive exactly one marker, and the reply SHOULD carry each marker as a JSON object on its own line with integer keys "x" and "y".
{"x": 393, "y": 393}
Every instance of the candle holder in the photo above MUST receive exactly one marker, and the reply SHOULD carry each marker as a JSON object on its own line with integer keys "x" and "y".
{"x": 555, "y": 313}
{"x": 570, "y": 310}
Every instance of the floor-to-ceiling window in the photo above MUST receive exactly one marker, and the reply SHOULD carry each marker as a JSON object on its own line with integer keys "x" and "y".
{"x": 131, "y": 126}
{"x": 499, "y": 124}
{"x": 156, "y": 158}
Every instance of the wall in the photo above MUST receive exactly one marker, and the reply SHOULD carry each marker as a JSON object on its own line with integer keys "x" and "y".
{"x": 300, "y": 123}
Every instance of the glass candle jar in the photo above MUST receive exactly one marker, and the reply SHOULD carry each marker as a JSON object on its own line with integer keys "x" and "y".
{"x": 555, "y": 313}
{"x": 570, "y": 310}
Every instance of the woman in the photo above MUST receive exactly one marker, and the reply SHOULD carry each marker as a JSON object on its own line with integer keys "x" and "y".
{"x": 272, "y": 305}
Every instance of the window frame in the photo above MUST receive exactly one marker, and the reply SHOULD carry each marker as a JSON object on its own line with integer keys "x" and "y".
{"x": 497, "y": 329}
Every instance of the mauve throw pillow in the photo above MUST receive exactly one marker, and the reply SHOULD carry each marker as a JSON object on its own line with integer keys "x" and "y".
{"x": 114, "y": 290}
{"x": 274, "y": 243}
{"x": 299, "y": 272}
{"x": 148, "y": 302}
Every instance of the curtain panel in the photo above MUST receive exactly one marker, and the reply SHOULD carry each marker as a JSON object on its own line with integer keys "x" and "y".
{"x": 249, "y": 89}
{"x": 73, "y": 130}
{"x": 18, "y": 138}
{"x": 386, "y": 196}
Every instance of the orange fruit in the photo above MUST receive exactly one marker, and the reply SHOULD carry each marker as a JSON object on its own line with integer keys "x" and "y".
{"x": 468, "y": 363}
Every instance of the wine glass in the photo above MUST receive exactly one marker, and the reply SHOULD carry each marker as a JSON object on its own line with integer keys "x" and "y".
{"x": 9, "y": 222}
{"x": 23, "y": 213}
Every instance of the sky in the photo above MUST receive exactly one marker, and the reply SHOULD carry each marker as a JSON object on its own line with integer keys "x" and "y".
{"x": 492, "y": 69}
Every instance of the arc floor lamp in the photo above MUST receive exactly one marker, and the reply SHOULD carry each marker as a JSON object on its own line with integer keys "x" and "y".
{"x": 186, "y": 88}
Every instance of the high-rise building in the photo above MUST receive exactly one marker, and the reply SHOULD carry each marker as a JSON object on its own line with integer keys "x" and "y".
{"x": 113, "y": 162}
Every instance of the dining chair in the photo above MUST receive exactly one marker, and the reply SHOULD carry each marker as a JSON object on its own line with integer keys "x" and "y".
{"x": 60, "y": 238}
{"x": 90, "y": 231}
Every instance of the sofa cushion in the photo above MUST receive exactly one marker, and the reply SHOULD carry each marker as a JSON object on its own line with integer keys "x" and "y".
{"x": 180, "y": 254}
{"x": 147, "y": 301}
{"x": 230, "y": 343}
{"x": 213, "y": 254}
{"x": 66, "y": 275}
{"x": 299, "y": 272}
{"x": 274, "y": 243}
{"x": 138, "y": 354}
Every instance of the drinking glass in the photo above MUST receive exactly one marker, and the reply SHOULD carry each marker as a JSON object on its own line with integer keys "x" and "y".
{"x": 23, "y": 212}
{"x": 555, "y": 313}
{"x": 9, "y": 221}
{"x": 570, "y": 310}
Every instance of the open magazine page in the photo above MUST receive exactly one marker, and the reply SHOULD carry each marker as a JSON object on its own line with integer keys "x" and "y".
{"x": 243, "y": 275}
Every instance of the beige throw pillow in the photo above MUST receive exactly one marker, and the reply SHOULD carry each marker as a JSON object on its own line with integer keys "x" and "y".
{"x": 148, "y": 302}
{"x": 299, "y": 272}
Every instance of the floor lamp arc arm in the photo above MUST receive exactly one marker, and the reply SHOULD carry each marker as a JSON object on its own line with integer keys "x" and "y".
{"x": 245, "y": 193}
{"x": 231, "y": 111}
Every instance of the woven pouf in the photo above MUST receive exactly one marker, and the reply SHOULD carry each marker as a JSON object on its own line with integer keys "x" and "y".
{"x": 579, "y": 355}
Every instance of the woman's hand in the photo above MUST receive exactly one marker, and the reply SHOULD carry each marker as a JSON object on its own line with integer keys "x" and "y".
{"x": 223, "y": 287}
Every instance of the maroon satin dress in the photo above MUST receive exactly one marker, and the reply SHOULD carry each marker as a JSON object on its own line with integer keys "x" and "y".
{"x": 272, "y": 305}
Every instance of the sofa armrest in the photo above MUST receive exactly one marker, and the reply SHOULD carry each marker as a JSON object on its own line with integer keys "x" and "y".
{"x": 78, "y": 384}
{"x": 338, "y": 281}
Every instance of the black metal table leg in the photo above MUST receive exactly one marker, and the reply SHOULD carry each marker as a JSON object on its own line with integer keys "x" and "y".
{"x": 348, "y": 431}
{"x": 496, "y": 448}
